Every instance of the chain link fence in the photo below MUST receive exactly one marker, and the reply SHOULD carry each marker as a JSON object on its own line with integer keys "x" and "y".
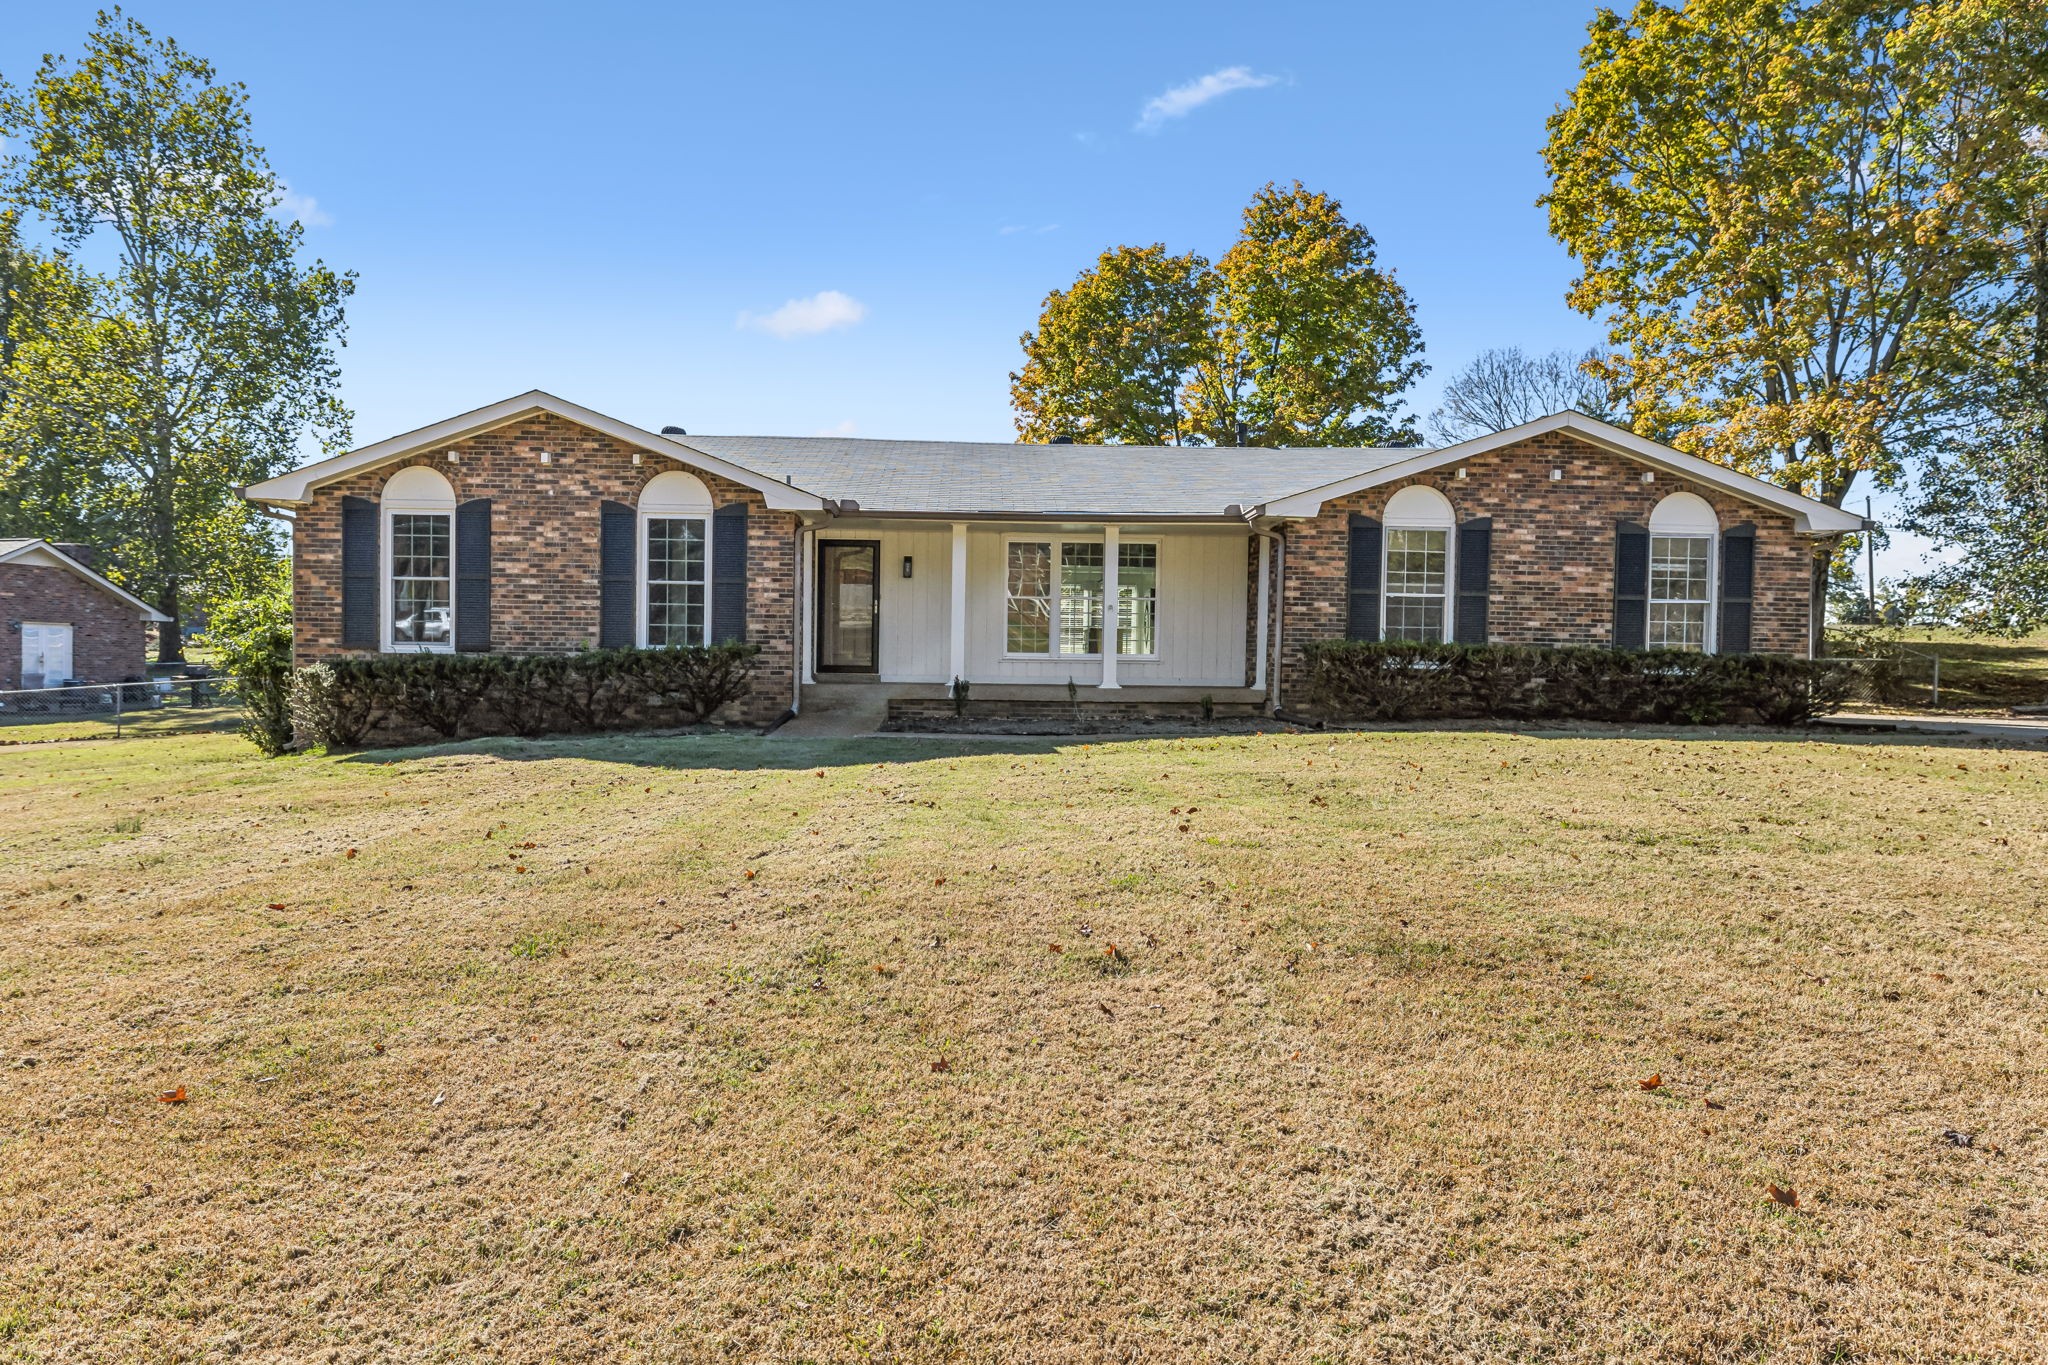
{"x": 1891, "y": 674}
{"x": 159, "y": 706}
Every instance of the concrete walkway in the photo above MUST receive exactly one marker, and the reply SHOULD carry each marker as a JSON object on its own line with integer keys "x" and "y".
{"x": 837, "y": 713}
{"x": 2021, "y": 728}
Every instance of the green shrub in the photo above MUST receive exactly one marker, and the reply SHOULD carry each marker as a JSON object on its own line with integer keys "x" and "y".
{"x": 330, "y": 710}
{"x": 252, "y": 638}
{"x": 1375, "y": 681}
{"x": 341, "y": 703}
{"x": 703, "y": 680}
{"x": 437, "y": 691}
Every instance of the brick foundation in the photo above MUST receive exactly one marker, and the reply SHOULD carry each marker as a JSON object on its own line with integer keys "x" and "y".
{"x": 1552, "y": 580}
{"x": 929, "y": 714}
{"x": 544, "y": 547}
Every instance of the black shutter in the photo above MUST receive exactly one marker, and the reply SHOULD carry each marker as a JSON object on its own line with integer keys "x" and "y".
{"x": 617, "y": 562}
{"x": 358, "y": 573}
{"x": 473, "y": 576}
{"x": 1363, "y": 622}
{"x": 1631, "y": 586}
{"x": 729, "y": 574}
{"x": 1738, "y": 588}
{"x": 1475, "y": 575}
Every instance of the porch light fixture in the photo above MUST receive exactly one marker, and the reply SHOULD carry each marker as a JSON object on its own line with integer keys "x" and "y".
{"x": 1556, "y": 475}
{"x": 546, "y": 458}
{"x": 1649, "y": 476}
{"x": 906, "y": 566}
{"x": 1461, "y": 472}
{"x": 454, "y": 457}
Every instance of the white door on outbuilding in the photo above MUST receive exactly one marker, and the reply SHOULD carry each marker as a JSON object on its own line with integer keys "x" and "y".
{"x": 45, "y": 654}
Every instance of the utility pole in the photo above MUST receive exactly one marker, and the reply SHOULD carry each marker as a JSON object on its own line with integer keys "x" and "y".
{"x": 1870, "y": 558}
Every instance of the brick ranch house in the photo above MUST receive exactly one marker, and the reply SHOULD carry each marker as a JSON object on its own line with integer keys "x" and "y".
{"x": 536, "y": 525}
{"x": 66, "y": 623}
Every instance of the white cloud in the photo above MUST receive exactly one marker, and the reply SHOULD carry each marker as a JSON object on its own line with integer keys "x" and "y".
{"x": 1012, "y": 229}
{"x": 1183, "y": 100}
{"x": 821, "y": 312}
{"x": 302, "y": 208}
{"x": 840, "y": 428}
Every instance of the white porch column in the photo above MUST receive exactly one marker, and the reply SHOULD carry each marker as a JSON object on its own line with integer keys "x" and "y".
{"x": 959, "y": 634}
{"x": 1111, "y": 537}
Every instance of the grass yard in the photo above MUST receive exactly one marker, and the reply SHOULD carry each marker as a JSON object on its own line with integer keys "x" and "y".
{"x": 1266, "y": 1048}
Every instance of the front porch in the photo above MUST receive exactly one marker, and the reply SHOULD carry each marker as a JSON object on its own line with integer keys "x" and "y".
{"x": 1156, "y": 613}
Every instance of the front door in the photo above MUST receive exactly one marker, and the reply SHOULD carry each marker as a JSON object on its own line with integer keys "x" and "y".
{"x": 45, "y": 654}
{"x": 849, "y": 605}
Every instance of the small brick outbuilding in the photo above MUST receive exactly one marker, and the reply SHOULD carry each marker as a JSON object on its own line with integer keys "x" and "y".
{"x": 65, "y": 623}
{"x": 1118, "y": 576}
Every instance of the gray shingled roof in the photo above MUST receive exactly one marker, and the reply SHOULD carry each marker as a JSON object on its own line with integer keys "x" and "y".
{"x": 1001, "y": 477}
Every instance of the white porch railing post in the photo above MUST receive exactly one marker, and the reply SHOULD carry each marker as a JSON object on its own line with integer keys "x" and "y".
{"x": 1112, "y": 610}
{"x": 959, "y": 627}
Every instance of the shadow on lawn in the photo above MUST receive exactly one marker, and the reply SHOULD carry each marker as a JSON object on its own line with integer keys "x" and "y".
{"x": 747, "y": 751}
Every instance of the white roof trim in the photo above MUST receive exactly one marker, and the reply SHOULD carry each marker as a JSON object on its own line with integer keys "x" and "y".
{"x": 36, "y": 552}
{"x": 295, "y": 488}
{"x": 1809, "y": 516}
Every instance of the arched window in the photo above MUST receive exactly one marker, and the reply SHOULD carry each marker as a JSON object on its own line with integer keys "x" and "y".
{"x": 418, "y": 507}
{"x": 675, "y": 561}
{"x": 1418, "y": 571}
{"x": 1683, "y": 529}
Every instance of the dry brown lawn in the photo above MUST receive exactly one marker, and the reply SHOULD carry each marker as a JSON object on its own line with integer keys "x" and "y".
{"x": 1276, "y": 1048}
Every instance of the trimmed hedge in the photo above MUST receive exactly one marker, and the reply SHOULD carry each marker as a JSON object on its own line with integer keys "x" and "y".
{"x": 1356, "y": 680}
{"x": 342, "y": 703}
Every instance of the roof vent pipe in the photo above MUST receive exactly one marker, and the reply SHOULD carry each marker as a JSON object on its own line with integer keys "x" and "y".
{"x": 674, "y": 431}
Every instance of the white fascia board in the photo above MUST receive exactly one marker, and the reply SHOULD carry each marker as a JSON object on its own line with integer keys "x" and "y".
{"x": 1810, "y": 516}
{"x": 43, "y": 553}
{"x": 293, "y": 489}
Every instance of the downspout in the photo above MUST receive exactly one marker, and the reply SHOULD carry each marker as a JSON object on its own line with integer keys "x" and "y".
{"x": 1279, "y": 618}
{"x": 1265, "y": 611}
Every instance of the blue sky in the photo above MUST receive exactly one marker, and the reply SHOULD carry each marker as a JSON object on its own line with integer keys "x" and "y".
{"x": 621, "y": 203}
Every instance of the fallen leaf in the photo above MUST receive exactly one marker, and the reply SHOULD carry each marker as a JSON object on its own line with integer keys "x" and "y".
{"x": 172, "y": 1096}
{"x": 750, "y": 874}
{"x": 1106, "y": 1010}
{"x": 1715, "y": 1104}
{"x": 1784, "y": 1195}
{"x": 350, "y": 854}
{"x": 1054, "y": 948}
{"x": 1652, "y": 1082}
{"x": 276, "y": 905}
{"x": 938, "y": 881}
{"x": 942, "y": 1065}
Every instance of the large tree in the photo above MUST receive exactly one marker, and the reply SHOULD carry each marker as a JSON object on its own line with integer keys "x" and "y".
{"x": 174, "y": 348}
{"x": 1113, "y": 352}
{"x": 1783, "y": 211}
{"x": 1986, "y": 498}
{"x": 1985, "y": 495}
{"x": 1295, "y": 337}
{"x": 1506, "y": 387}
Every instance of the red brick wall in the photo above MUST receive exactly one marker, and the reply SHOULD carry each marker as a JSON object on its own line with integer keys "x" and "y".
{"x": 544, "y": 547}
{"x": 1553, "y": 550}
{"x": 108, "y": 637}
